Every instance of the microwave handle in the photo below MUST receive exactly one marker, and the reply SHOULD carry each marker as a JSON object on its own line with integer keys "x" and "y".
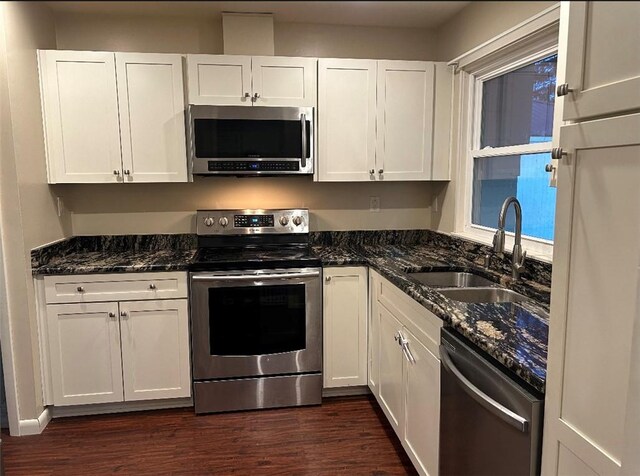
{"x": 303, "y": 128}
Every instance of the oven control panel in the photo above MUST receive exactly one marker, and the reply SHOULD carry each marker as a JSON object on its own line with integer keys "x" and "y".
{"x": 245, "y": 222}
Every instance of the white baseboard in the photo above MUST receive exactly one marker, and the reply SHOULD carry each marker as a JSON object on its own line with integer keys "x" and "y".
{"x": 35, "y": 426}
{"x": 120, "y": 407}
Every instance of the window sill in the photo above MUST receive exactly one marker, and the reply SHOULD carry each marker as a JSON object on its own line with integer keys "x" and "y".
{"x": 538, "y": 256}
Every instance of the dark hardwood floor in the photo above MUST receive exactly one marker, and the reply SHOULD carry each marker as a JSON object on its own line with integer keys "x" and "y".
{"x": 343, "y": 436}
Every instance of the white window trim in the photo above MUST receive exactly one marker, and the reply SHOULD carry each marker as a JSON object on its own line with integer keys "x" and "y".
{"x": 533, "y": 39}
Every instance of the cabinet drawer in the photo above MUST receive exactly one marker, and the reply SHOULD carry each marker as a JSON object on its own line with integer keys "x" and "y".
{"x": 115, "y": 287}
{"x": 423, "y": 324}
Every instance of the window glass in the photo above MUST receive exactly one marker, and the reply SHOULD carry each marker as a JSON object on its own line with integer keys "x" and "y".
{"x": 517, "y": 107}
{"x": 522, "y": 176}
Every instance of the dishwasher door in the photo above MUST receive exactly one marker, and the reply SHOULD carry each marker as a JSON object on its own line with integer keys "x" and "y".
{"x": 489, "y": 425}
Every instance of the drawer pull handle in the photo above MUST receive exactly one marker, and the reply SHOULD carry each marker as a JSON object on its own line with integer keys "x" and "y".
{"x": 152, "y": 286}
{"x": 80, "y": 289}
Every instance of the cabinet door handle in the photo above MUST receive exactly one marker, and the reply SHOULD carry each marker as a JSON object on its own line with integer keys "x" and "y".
{"x": 372, "y": 171}
{"x": 80, "y": 289}
{"x": 563, "y": 90}
{"x": 124, "y": 313}
{"x": 116, "y": 172}
{"x": 558, "y": 153}
{"x": 380, "y": 171}
{"x": 256, "y": 96}
{"x": 247, "y": 95}
{"x": 112, "y": 315}
{"x": 152, "y": 286}
{"x": 407, "y": 352}
{"x": 327, "y": 279}
{"x": 127, "y": 172}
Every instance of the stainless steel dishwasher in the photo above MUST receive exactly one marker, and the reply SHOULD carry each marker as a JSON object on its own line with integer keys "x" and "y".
{"x": 489, "y": 424}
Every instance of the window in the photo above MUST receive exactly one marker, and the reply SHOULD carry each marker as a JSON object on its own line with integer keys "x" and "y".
{"x": 511, "y": 130}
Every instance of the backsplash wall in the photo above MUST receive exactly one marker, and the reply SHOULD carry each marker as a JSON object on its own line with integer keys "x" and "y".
{"x": 170, "y": 208}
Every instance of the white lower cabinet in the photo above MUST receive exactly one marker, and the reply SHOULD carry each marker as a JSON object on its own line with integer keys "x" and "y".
{"x": 106, "y": 352}
{"x": 84, "y": 342}
{"x": 345, "y": 326}
{"x": 155, "y": 349}
{"x": 405, "y": 371}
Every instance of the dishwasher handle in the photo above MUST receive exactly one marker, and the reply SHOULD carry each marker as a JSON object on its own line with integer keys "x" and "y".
{"x": 482, "y": 398}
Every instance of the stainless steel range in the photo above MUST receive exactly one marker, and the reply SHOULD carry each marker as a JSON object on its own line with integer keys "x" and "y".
{"x": 256, "y": 311}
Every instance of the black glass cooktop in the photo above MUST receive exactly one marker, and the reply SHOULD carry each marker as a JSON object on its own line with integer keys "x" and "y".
{"x": 270, "y": 257}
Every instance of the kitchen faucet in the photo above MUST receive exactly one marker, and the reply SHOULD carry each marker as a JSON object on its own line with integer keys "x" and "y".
{"x": 518, "y": 257}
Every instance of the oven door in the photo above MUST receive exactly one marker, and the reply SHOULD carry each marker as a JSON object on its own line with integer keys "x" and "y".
{"x": 256, "y": 322}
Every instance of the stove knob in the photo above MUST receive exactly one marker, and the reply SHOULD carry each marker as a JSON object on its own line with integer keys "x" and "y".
{"x": 297, "y": 221}
{"x": 284, "y": 220}
{"x": 208, "y": 221}
{"x": 224, "y": 221}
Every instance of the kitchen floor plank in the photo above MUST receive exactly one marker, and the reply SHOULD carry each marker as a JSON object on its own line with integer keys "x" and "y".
{"x": 343, "y": 436}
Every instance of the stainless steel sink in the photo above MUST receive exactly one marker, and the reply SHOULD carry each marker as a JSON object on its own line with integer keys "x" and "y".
{"x": 451, "y": 279}
{"x": 483, "y": 295}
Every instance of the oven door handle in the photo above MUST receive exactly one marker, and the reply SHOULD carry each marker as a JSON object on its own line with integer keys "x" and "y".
{"x": 256, "y": 277}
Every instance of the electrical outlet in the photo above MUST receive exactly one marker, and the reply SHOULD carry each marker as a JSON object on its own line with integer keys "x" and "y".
{"x": 374, "y": 204}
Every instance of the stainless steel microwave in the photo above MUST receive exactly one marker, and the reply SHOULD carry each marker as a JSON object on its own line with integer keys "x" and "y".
{"x": 243, "y": 140}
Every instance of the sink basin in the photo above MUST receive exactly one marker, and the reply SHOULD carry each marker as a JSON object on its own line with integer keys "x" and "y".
{"x": 451, "y": 279}
{"x": 483, "y": 295}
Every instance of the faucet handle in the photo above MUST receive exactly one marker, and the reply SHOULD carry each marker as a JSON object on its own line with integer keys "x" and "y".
{"x": 520, "y": 264}
{"x": 498, "y": 241}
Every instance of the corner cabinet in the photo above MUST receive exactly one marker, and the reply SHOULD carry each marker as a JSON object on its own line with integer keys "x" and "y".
{"x": 405, "y": 370}
{"x": 235, "y": 80}
{"x": 345, "y": 326}
{"x": 383, "y": 120}
{"x": 112, "y": 338}
{"x": 113, "y": 117}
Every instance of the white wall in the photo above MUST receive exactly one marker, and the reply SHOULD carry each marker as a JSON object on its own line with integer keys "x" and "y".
{"x": 27, "y": 203}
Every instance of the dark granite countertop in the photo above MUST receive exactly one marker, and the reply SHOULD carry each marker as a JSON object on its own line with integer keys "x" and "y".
{"x": 514, "y": 334}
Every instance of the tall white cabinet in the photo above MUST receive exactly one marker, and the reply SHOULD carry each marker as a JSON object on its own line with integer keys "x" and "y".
{"x": 589, "y": 420}
{"x": 383, "y": 120}
{"x": 113, "y": 117}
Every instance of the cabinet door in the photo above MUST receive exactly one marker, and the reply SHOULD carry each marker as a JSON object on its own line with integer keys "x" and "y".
{"x": 84, "y": 345}
{"x": 390, "y": 393}
{"x": 347, "y": 120}
{"x": 223, "y": 80}
{"x": 422, "y": 406}
{"x": 345, "y": 327}
{"x": 280, "y": 81}
{"x": 405, "y": 120}
{"x": 80, "y": 110}
{"x": 155, "y": 349}
{"x": 152, "y": 125}
{"x": 603, "y": 67}
{"x": 596, "y": 252}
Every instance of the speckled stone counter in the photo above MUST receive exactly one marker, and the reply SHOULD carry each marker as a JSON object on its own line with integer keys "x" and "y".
{"x": 115, "y": 254}
{"x": 514, "y": 334}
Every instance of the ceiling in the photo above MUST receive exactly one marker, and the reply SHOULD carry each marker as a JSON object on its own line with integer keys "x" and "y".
{"x": 392, "y": 14}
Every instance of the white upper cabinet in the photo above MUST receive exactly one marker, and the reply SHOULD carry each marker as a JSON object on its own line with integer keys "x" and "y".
{"x": 603, "y": 67}
{"x": 383, "y": 120}
{"x": 280, "y": 81}
{"x": 80, "y": 110}
{"x": 113, "y": 117}
{"x": 223, "y": 80}
{"x": 404, "y": 120}
{"x": 233, "y": 80}
{"x": 151, "y": 95}
{"x": 347, "y": 120}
